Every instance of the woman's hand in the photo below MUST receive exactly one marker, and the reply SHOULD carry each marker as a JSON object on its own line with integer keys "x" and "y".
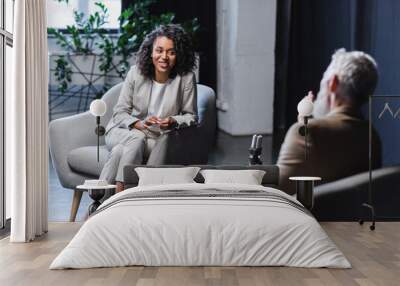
{"x": 138, "y": 125}
{"x": 167, "y": 123}
{"x": 150, "y": 121}
{"x": 144, "y": 124}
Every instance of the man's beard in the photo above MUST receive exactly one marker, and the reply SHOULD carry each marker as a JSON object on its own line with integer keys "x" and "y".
{"x": 321, "y": 107}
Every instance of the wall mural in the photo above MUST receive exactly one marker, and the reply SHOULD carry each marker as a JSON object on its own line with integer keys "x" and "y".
{"x": 76, "y": 79}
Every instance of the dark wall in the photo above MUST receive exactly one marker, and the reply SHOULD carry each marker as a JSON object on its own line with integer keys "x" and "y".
{"x": 309, "y": 31}
{"x": 385, "y": 44}
{"x": 205, "y": 11}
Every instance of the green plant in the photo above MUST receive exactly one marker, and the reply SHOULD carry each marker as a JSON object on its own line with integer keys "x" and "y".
{"x": 62, "y": 73}
{"x": 88, "y": 36}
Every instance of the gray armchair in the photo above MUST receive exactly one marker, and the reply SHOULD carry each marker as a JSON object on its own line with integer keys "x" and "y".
{"x": 341, "y": 200}
{"x": 73, "y": 143}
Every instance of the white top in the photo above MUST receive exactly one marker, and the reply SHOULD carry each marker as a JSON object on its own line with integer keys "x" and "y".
{"x": 304, "y": 178}
{"x": 156, "y": 98}
{"x": 89, "y": 187}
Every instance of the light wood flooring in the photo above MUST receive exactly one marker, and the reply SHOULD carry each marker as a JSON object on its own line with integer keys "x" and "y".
{"x": 374, "y": 255}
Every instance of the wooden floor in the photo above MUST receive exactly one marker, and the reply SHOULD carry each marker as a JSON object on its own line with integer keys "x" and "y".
{"x": 375, "y": 257}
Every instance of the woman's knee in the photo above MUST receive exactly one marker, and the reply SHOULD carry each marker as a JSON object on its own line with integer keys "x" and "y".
{"x": 117, "y": 151}
{"x": 136, "y": 139}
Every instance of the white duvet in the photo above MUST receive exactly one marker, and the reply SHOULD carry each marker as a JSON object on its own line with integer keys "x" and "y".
{"x": 183, "y": 231}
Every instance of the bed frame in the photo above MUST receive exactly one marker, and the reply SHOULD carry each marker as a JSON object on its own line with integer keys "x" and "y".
{"x": 270, "y": 179}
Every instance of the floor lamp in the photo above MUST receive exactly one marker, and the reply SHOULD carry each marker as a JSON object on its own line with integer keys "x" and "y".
{"x": 305, "y": 109}
{"x": 305, "y": 184}
{"x": 98, "y": 108}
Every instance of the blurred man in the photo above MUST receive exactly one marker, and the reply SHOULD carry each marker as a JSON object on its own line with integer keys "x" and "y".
{"x": 337, "y": 133}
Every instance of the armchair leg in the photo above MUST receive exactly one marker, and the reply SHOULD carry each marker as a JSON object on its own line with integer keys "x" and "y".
{"x": 75, "y": 204}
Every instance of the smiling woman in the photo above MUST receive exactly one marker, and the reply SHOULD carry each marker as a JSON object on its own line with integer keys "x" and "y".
{"x": 176, "y": 43}
{"x": 159, "y": 94}
{"x": 164, "y": 58}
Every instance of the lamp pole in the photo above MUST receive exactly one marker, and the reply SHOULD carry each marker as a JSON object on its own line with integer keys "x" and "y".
{"x": 98, "y": 108}
{"x": 98, "y": 137}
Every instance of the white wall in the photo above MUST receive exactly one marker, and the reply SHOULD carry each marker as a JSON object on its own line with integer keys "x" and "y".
{"x": 245, "y": 70}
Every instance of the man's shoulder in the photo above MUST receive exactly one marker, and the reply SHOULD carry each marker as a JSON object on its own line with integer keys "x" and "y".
{"x": 293, "y": 135}
{"x": 293, "y": 130}
{"x": 337, "y": 122}
{"x": 324, "y": 121}
{"x": 315, "y": 125}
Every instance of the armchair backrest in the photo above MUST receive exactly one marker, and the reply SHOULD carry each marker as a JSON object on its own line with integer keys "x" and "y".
{"x": 111, "y": 99}
{"x": 342, "y": 199}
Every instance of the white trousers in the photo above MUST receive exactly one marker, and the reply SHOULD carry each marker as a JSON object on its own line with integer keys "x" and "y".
{"x": 126, "y": 147}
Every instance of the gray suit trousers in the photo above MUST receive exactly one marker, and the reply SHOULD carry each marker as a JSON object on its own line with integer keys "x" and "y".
{"x": 130, "y": 147}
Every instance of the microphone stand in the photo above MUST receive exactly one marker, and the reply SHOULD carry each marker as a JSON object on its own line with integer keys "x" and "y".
{"x": 255, "y": 151}
{"x": 303, "y": 131}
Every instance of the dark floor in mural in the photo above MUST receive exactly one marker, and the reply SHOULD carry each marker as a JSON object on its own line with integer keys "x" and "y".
{"x": 229, "y": 150}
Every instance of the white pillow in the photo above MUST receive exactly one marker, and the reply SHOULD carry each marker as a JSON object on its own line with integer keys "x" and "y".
{"x": 248, "y": 177}
{"x": 165, "y": 176}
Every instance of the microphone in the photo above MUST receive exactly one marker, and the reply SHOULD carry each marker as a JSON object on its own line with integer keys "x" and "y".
{"x": 255, "y": 150}
{"x": 259, "y": 141}
{"x": 253, "y": 141}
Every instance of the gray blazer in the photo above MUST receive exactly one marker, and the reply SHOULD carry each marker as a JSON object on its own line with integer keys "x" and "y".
{"x": 180, "y": 100}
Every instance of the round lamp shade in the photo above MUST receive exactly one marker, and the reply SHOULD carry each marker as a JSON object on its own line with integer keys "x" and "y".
{"x": 98, "y": 107}
{"x": 305, "y": 107}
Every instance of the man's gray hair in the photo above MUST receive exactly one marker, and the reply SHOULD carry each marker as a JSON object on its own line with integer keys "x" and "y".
{"x": 357, "y": 73}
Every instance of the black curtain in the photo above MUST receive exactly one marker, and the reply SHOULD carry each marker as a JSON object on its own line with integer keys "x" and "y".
{"x": 308, "y": 32}
{"x": 205, "y": 11}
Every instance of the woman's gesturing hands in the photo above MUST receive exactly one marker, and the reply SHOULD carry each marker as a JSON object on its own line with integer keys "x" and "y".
{"x": 165, "y": 123}
{"x": 151, "y": 120}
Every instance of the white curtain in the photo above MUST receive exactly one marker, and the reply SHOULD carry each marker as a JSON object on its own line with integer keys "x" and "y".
{"x": 27, "y": 123}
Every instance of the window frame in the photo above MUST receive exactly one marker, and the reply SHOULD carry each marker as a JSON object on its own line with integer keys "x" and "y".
{"x": 6, "y": 39}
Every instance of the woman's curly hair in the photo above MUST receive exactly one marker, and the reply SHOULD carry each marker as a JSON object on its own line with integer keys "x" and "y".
{"x": 185, "y": 57}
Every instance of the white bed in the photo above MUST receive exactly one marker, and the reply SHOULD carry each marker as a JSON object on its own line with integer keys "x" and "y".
{"x": 201, "y": 224}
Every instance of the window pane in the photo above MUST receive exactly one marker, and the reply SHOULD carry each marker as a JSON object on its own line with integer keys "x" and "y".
{"x": 59, "y": 15}
{"x": 9, "y": 9}
{"x": 9, "y": 70}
